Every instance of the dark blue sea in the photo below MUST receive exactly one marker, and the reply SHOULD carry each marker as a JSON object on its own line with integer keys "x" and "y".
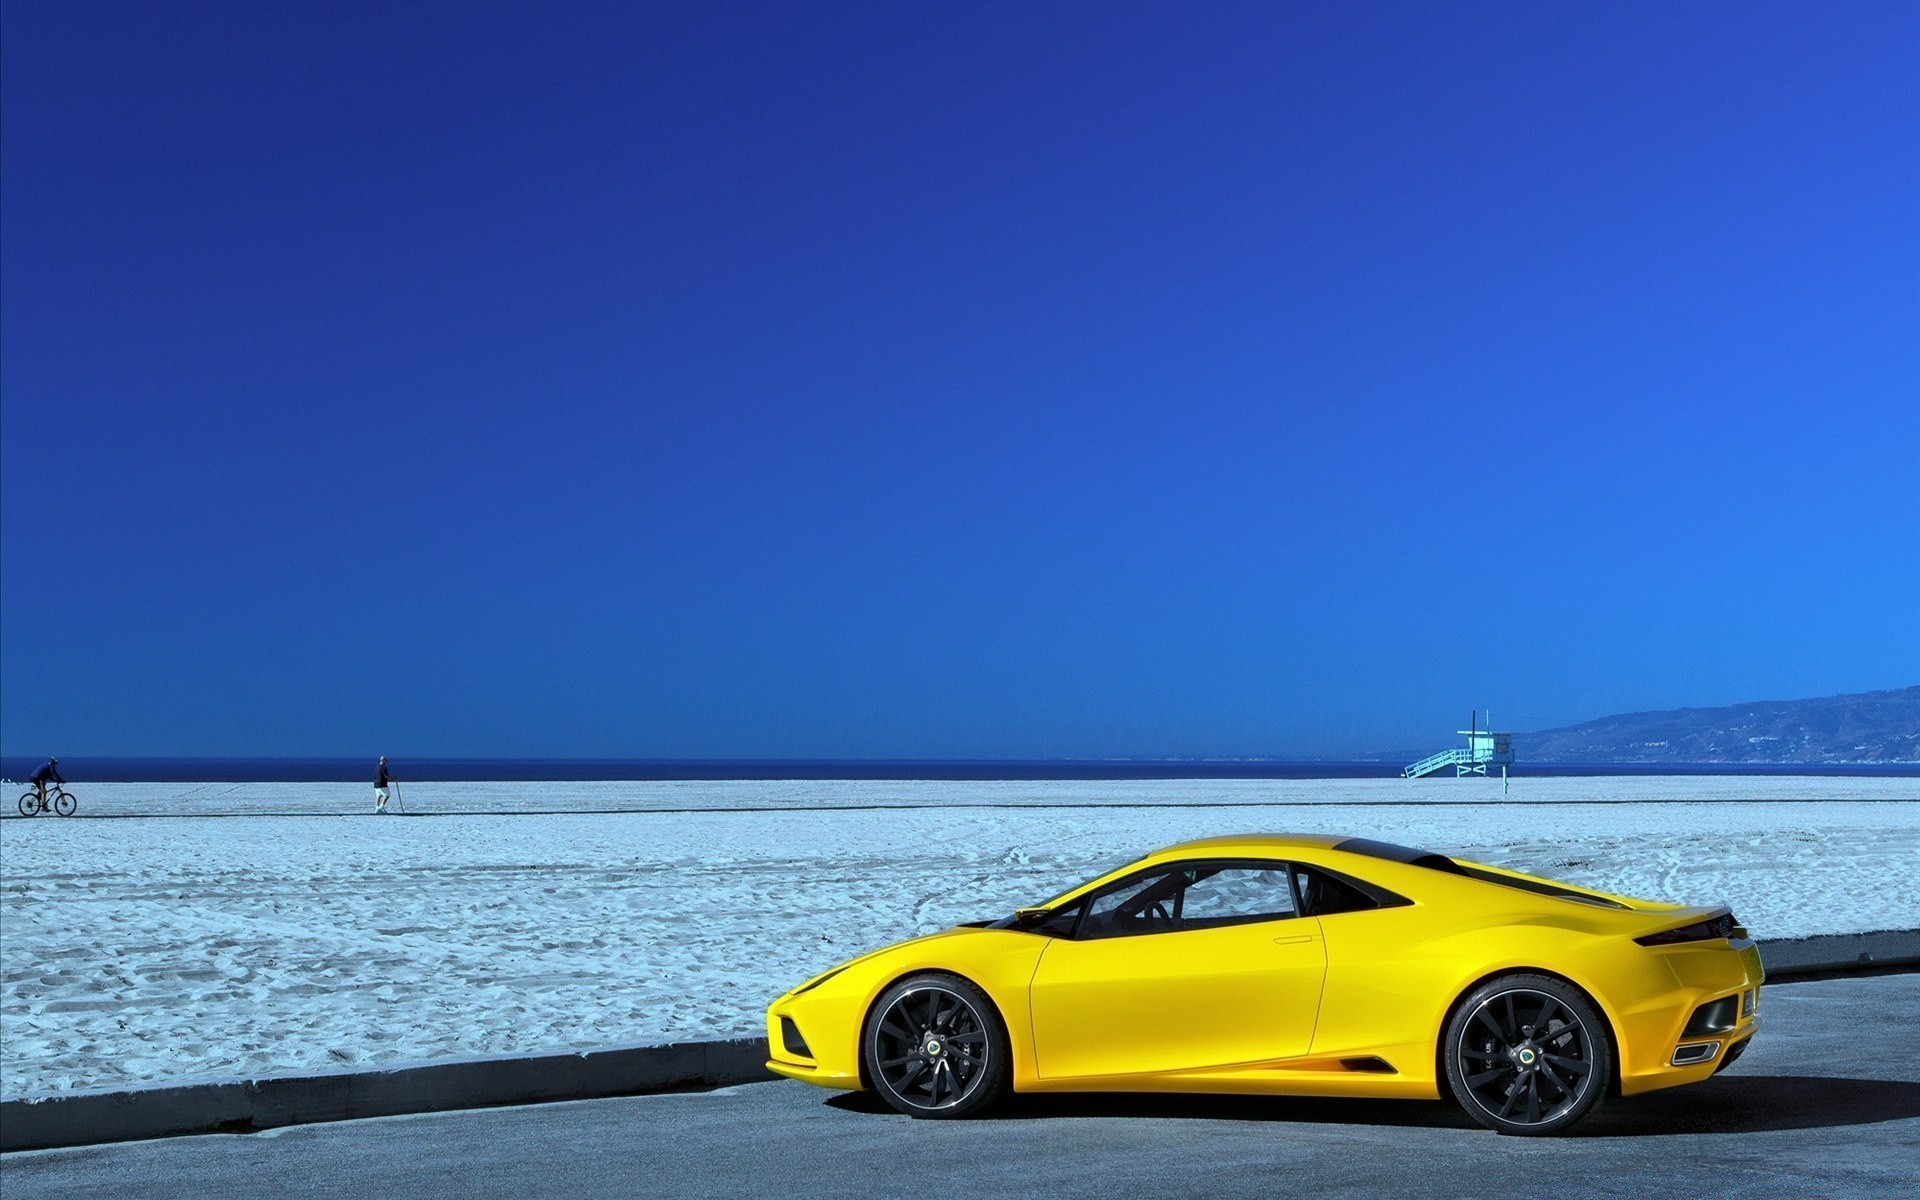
{"x": 350, "y": 770}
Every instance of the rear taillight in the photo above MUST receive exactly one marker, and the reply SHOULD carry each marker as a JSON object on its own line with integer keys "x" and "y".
{"x": 1722, "y": 926}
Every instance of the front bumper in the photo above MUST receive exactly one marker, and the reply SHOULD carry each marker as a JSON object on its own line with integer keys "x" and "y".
{"x": 801, "y": 1044}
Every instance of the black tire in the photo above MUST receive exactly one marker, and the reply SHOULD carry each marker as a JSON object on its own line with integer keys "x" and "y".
{"x": 934, "y": 1046}
{"x": 1528, "y": 1054}
{"x": 64, "y": 804}
{"x": 29, "y": 804}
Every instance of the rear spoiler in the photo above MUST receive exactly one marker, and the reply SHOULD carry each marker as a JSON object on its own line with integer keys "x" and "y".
{"x": 1693, "y": 925}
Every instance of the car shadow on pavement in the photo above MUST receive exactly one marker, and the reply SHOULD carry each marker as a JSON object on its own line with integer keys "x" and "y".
{"x": 1125, "y": 1106}
{"x": 1736, "y": 1104}
{"x": 1757, "y": 1104}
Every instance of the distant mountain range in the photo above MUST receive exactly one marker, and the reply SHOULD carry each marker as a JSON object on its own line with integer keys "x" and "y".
{"x": 1872, "y": 727}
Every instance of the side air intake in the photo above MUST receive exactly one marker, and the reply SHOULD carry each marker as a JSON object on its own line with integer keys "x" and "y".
{"x": 791, "y": 1039}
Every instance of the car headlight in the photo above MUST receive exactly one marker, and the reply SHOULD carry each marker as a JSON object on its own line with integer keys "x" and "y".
{"x": 817, "y": 980}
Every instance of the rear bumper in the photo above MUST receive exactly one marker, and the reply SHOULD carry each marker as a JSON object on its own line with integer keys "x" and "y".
{"x": 1667, "y": 1046}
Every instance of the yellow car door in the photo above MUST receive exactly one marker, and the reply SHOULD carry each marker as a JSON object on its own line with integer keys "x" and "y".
{"x": 1182, "y": 967}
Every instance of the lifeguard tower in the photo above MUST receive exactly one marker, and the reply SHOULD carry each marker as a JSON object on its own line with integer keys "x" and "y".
{"x": 1485, "y": 748}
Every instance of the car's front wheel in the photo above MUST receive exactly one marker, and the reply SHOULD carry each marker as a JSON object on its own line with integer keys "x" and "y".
{"x": 934, "y": 1046}
{"x": 1528, "y": 1054}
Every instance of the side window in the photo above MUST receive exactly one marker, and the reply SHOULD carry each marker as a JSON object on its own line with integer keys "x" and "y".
{"x": 1192, "y": 896}
{"x": 1141, "y": 905}
{"x": 1322, "y": 894}
{"x": 1236, "y": 896}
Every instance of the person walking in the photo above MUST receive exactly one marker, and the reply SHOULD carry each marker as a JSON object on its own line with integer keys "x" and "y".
{"x": 48, "y": 773}
{"x": 382, "y": 785}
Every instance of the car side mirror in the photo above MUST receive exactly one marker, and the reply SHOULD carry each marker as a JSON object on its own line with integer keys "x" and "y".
{"x": 1024, "y": 917}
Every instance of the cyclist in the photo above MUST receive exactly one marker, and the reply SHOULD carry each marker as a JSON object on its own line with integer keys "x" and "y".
{"x": 49, "y": 773}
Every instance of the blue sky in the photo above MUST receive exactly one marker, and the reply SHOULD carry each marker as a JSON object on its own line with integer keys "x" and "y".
{"x": 947, "y": 380}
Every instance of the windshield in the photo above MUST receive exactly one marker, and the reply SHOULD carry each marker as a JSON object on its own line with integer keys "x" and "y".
{"x": 1035, "y": 914}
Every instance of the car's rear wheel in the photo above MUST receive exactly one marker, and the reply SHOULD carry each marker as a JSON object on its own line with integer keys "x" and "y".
{"x": 1528, "y": 1054}
{"x": 935, "y": 1047}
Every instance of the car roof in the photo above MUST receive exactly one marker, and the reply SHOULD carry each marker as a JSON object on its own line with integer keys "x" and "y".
{"x": 1254, "y": 843}
{"x": 1379, "y": 855}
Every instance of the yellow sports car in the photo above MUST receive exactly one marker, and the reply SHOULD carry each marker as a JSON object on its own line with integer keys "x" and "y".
{"x": 1298, "y": 965}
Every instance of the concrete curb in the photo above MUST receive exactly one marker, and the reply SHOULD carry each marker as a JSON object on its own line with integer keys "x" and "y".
{"x": 1841, "y": 954}
{"x": 244, "y": 1106}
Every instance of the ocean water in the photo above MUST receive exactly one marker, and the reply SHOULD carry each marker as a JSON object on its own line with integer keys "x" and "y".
{"x": 353, "y": 770}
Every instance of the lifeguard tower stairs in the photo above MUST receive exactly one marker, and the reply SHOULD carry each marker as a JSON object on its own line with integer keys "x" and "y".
{"x": 1485, "y": 748}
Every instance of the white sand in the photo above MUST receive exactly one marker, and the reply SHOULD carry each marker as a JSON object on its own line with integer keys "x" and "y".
{"x": 243, "y": 939}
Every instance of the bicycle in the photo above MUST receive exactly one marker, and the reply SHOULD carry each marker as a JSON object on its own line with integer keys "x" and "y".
{"x": 57, "y": 799}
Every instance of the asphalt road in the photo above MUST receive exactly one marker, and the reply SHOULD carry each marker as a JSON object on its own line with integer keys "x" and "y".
{"x": 1826, "y": 1103}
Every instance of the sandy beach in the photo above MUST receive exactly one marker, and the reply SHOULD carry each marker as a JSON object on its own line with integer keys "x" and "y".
{"x": 260, "y": 929}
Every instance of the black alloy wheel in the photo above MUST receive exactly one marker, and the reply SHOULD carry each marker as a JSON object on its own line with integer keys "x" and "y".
{"x": 935, "y": 1047}
{"x": 1528, "y": 1054}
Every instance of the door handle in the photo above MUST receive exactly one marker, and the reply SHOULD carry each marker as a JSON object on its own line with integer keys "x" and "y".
{"x": 1293, "y": 941}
